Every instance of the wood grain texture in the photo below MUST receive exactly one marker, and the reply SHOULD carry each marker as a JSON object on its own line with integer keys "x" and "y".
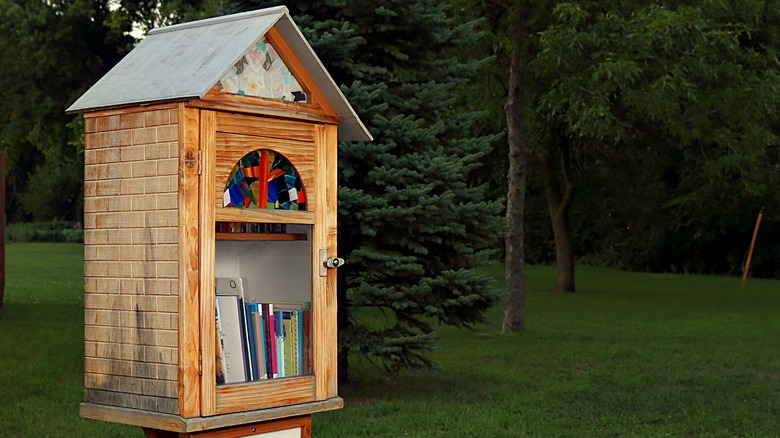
{"x": 324, "y": 301}
{"x": 329, "y": 382}
{"x": 131, "y": 280}
{"x": 233, "y": 103}
{"x": 130, "y": 336}
{"x": 264, "y": 216}
{"x": 143, "y": 353}
{"x": 189, "y": 264}
{"x": 315, "y": 97}
{"x": 264, "y": 394}
{"x": 232, "y": 147}
{"x": 128, "y": 110}
{"x": 130, "y": 385}
{"x": 143, "y": 403}
{"x": 207, "y": 255}
{"x": 175, "y": 423}
{"x": 300, "y": 423}
{"x": 128, "y": 368}
{"x": 155, "y": 419}
{"x": 286, "y": 108}
{"x": 265, "y": 127}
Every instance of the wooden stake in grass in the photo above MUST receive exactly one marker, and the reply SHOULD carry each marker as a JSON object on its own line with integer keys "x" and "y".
{"x": 752, "y": 245}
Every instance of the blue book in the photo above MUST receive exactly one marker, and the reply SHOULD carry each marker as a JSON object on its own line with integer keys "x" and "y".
{"x": 251, "y": 330}
{"x": 256, "y": 314}
{"x": 300, "y": 342}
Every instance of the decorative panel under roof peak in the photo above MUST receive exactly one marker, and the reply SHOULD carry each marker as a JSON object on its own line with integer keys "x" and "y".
{"x": 261, "y": 72}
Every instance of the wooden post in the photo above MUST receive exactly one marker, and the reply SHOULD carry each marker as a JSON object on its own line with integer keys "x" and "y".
{"x": 291, "y": 427}
{"x": 2, "y": 230}
{"x": 752, "y": 246}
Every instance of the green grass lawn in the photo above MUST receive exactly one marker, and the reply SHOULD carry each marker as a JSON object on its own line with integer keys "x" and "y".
{"x": 628, "y": 355}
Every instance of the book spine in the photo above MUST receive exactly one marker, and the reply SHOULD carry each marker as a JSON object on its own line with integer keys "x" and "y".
{"x": 307, "y": 358}
{"x": 245, "y": 338}
{"x": 279, "y": 334}
{"x": 219, "y": 368}
{"x": 231, "y": 323}
{"x": 289, "y": 363}
{"x": 260, "y": 335}
{"x": 261, "y": 341}
{"x": 299, "y": 341}
{"x": 295, "y": 343}
{"x": 253, "y": 330}
{"x": 270, "y": 330}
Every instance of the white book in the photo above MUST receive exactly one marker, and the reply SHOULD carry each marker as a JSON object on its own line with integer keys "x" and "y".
{"x": 235, "y": 286}
{"x": 230, "y": 286}
{"x": 229, "y": 309}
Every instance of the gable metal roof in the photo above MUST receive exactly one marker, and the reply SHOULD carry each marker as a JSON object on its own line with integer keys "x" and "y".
{"x": 185, "y": 60}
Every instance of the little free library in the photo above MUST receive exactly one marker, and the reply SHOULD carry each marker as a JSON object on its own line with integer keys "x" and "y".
{"x": 210, "y": 231}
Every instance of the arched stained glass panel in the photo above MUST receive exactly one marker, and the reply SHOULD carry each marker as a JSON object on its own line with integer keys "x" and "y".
{"x": 264, "y": 179}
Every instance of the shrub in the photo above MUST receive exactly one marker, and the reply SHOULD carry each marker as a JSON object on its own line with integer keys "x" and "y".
{"x": 54, "y": 231}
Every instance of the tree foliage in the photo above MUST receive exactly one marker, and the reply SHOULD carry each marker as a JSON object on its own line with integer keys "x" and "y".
{"x": 53, "y": 51}
{"x": 691, "y": 87}
{"x": 664, "y": 116}
{"x": 414, "y": 218}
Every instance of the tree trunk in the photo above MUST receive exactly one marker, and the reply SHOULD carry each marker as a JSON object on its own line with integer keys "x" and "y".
{"x": 514, "y": 309}
{"x": 559, "y": 196}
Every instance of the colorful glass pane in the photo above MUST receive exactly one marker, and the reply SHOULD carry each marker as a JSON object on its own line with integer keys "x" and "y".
{"x": 264, "y": 179}
{"x": 262, "y": 73}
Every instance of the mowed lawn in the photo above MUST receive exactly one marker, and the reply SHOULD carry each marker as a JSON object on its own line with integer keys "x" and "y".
{"x": 628, "y": 355}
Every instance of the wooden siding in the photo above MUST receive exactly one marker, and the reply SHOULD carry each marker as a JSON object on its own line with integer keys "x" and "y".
{"x": 131, "y": 258}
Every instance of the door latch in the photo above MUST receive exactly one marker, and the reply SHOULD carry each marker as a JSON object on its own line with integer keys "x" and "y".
{"x": 328, "y": 262}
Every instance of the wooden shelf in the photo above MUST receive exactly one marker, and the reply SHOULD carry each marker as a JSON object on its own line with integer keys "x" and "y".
{"x": 229, "y": 214}
{"x": 261, "y": 236}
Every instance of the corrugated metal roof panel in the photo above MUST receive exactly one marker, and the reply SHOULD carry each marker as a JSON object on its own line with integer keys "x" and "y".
{"x": 185, "y": 60}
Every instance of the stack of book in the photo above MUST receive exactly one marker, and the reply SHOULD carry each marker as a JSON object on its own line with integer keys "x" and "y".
{"x": 250, "y": 227}
{"x": 257, "y": 341}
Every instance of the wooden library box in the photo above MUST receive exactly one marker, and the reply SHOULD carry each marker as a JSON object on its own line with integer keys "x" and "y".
{"x": 210, "y": 228}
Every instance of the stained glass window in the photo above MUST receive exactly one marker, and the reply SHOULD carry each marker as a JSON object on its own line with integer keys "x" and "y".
{"x": 264, "y": 179}
{"x": 262, "y": 73}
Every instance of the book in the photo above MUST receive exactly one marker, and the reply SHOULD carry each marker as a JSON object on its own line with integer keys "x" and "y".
{"x": 270, "y": 339}
{"x": 260, "y": 336}
{"x": 230, "y": 286}
{"x": 289, "y": 345}
{"x": 219, "y": 363}
{"x": 296, "y": 342}
{"x": 257, "y": 341}
{"x": 308, "y": 368}
{"x": 232, "y": 333}
{"x": 254, "y": 361}
{"x": 279, "y": 338}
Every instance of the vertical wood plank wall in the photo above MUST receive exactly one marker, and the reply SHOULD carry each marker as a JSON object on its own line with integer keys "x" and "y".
{"x": 131, "y": 264}
{"x": 325, "y": 329}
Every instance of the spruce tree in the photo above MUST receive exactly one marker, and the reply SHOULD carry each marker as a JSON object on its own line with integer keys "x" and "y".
{"x": 413, "y": 214}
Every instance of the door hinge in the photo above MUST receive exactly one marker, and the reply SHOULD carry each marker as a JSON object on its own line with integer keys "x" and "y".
{"x": 200, "y": 161}
{"x": 200, "y": 362}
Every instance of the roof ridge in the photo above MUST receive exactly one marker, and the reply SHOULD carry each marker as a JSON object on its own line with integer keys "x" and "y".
{"x": 221, "y": 19}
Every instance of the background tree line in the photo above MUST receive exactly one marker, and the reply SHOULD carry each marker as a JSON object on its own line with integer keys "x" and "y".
{"x": 650, "y": 131}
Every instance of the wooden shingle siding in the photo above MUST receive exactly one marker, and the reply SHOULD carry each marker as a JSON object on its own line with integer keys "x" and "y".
{"x": 131, "y": 259}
